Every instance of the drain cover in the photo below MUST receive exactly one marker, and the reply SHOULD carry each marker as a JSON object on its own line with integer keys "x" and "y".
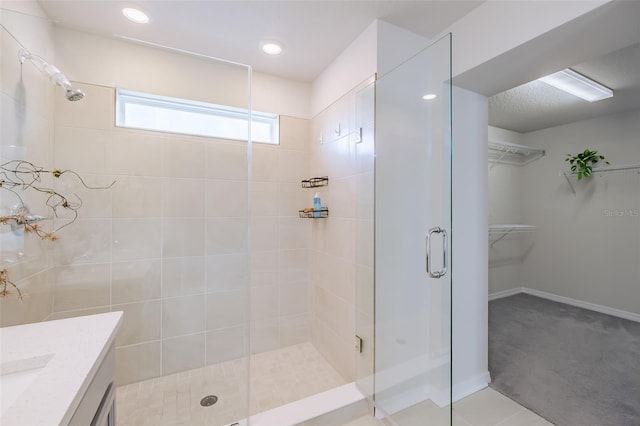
{"x": 208, "y": 400}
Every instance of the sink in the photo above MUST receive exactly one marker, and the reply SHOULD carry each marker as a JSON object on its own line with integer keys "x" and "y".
{"x": 17, "y": 376}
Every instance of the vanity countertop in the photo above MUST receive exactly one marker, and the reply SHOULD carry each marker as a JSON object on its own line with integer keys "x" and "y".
{"x": 49, "y": 365}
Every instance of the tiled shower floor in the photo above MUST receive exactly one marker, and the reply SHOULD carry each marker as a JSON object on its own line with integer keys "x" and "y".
{"x": 277, "y": 377}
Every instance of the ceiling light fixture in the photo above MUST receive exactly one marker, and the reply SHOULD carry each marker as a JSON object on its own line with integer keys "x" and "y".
{"x": 271, "y": 47}
{"x": 577, "y": 85}
{"x": 135, "y": 15}
{"x": 429, "y": 96}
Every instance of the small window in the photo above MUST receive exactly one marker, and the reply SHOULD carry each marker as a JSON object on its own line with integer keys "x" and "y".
{"x": 164, "y": 114}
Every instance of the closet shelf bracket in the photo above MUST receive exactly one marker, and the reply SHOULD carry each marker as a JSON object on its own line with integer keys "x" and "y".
{"x": 629, "y": 168}
{"x": 499, "y": 232}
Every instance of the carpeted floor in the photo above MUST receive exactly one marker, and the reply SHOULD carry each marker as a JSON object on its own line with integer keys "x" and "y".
{"x": 572, "y": 366}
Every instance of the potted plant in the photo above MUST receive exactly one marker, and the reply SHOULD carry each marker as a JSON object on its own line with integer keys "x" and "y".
{"x": 582, "y": 163}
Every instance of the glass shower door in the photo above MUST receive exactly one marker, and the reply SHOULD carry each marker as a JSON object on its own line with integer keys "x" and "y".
{"x": 412, "y": 239}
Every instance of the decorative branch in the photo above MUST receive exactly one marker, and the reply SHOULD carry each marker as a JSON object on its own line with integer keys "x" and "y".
{"x": 4, "y": 282}
{"x": 20, "y": 175}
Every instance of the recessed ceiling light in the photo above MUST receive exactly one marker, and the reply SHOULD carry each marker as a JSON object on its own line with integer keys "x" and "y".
{"x": 135, "y": 15}
{"x": 429, "y": 96}
{"x": 271, "y": 47}
{"x": 578, "y": 85}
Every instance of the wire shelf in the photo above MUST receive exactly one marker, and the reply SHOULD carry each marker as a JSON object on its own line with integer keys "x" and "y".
{"x": 628, "y": 168}
{"x": 315, "y": 182}
{"x": 323, "y": 213}
{"x": 499, "y": 232}
{"x": 511, "y": 153}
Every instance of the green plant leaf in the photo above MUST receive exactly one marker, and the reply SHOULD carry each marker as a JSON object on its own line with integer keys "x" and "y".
{"x": 583, "y": 162}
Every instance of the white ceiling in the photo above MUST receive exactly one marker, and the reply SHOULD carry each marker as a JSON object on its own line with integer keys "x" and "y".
{"x": 313, "y": 32}
{"x": 535, "y": 105}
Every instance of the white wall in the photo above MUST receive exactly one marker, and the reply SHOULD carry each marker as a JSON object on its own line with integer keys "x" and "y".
{"x": 396, "y": 45}
{"x": 281, "y": 96}
{"x": 355, "y": 64}
{"x": 469, "y": 243}
{"x": 587, "y": 245}
{"x": 378, "y": 49}
{"x": 116, "y": 63}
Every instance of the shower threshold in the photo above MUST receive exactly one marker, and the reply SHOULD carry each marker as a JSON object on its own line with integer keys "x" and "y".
{"x": 335, "y": 406}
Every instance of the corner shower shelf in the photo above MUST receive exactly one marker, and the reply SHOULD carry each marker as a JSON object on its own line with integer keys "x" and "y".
{"x": 499, "y": 232}
{"x": 511, "y": 153}
{"x": 315, "y": 182}
{"x": 323, "y": 213}
{"x": 629, "y": 168}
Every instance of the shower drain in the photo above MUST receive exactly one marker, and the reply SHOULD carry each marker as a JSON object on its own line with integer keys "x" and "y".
{"x": 208, "y": 400}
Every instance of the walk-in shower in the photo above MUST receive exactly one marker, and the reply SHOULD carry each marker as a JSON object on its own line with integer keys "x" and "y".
{"x": 226, "y": 290}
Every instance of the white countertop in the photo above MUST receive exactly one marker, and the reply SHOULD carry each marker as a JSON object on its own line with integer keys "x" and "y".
{"x": 64, "y": 356}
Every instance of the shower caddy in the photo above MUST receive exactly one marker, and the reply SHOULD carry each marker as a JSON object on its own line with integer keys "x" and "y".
{"x": 315, "y": 182}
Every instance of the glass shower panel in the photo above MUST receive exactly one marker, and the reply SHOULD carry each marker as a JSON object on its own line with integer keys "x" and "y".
{"x": 412, "y": 223}
{"x": 167, "y": 244}
{"x": 364, "y": 159}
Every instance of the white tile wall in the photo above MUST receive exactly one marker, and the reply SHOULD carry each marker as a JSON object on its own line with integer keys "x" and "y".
{"x": 342, "y": 245}
{"x": 182, "y": 276}
{"x": 141, "y": 323}
{"x": 280, "y": 240}
{"x": 168, "y": 244}
{"x": 80, "y": 286}
{"x": 226, "y": 344}
{"x": 141, "y": 361}
{"x": 226, "y": 272}
{"x": 176, "y": 359}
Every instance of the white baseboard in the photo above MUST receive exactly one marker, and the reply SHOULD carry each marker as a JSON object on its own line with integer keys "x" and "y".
{"x": 586, "y": 305}
{"x": 471, "y": 386}
{"x": 568, "y": 301}
{"x": 506, "y": 293}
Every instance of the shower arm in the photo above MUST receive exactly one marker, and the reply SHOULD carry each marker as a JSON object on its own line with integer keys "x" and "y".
{"x": 55, "y": 75}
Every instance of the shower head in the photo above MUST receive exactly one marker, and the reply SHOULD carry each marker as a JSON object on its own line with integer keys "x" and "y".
{"x": 74, "y": 94}
{"x": 55, "y": 75}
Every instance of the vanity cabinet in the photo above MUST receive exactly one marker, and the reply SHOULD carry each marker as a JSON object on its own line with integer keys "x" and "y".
{"x": 97, "y": 407}
{"x": 59, "y": 372}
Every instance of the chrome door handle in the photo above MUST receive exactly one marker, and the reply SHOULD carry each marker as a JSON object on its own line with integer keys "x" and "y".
{"x": 445, "y": 252}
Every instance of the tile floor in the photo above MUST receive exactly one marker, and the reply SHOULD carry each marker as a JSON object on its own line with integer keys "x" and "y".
{"x": 283, "y": 376}
{"x": 278, "y": 377}
{"x": 484, "y": 408}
